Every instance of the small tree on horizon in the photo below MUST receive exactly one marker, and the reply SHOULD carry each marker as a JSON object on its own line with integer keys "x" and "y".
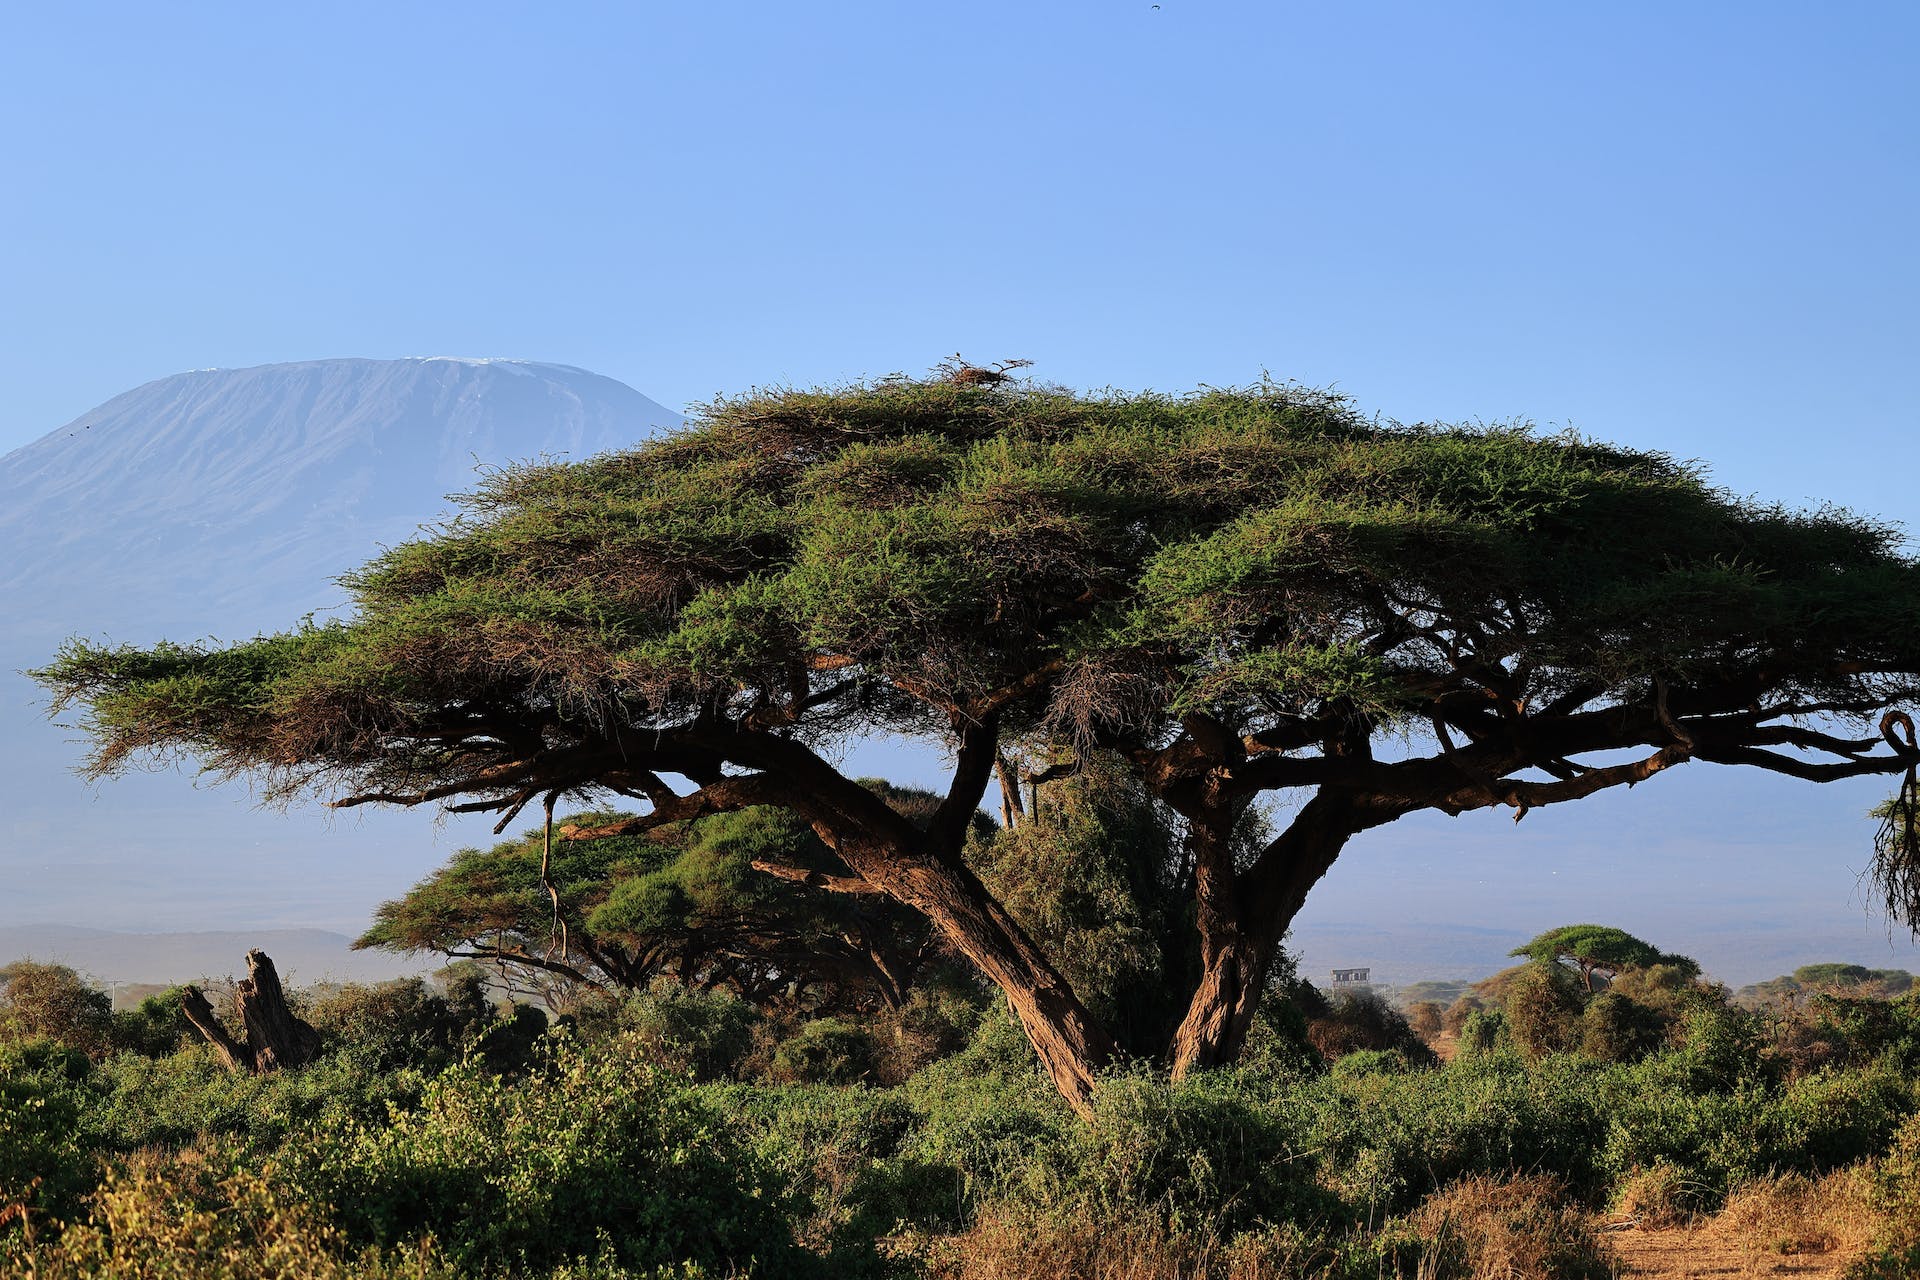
{"x": 1237, "y": 592}
{"x": 1592, "y": 948}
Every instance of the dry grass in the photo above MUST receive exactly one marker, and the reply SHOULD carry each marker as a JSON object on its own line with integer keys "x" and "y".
{"x": 1655, "y": 1198}
{"x": 1793, "y": 1214}
{"x": 1011, "y": 1245}
{"x": 1520, "y": 1228}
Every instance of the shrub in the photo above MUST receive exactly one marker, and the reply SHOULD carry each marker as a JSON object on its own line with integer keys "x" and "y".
{"x": 705, "y": 1035}
{"x": 937, "y": 1020}
{"x": 1543, "y": 1008}
{"x": 1426, "y": 1018}
{"x": 825, "y": 1051}
{"x": 1386, "y": 1140}
{"x": 198, "y": 1214}
{"x": 1483, "y": 1032}
{"x": 51, "y": 1001}
{"x": 597, "y": 1156}
{"x": 838, "y": 1151}
{"x": 1454, "y": 1020}
{"x": 1660, "y": 1195}
{"x": 1204, "y": 1151}
{"x": 153, "y": 1028}
{"x": 1894, "y": 1194}
{"x": 395, "y": 1024}
{"x": 44, "y": 1166}
{"x": 138, "y": 1102}
{"x": 1615, "y": 1028}
{"x": 1364, "y": 1020}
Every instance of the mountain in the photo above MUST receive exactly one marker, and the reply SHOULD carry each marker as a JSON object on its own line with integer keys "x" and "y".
{"x": 215, "y": 499}
{"x": 223, "y": 502}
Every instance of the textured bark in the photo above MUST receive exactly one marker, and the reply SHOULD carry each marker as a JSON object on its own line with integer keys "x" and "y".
{"x": 275, "y": 1038}
{"x": 1072, "y": 1045}
{"x": 1242, "y": 917}
{"x": 193, "y": 1002}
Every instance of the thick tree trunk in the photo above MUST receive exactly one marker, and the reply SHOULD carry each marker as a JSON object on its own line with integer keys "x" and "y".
{"x": 1241, "y": 919}
{"x": 1072, "y": 1045}
{"x": 275, "y": 1038}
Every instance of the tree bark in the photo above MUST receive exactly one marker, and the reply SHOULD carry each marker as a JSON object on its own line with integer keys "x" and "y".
{"x": 1241, "y": 919}
{"x": 275, "y": 1038}
{"x": 1072, "y": 1045}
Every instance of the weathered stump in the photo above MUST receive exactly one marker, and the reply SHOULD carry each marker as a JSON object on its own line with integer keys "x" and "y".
{"x": 275, "y": 1038}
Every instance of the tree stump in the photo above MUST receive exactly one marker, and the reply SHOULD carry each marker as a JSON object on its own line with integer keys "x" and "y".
{"x": 275, "y": 1038}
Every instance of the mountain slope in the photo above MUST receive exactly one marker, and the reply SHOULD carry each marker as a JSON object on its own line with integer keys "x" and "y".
{"x": 209, "y": 498}
{"x": 224, "y": 502}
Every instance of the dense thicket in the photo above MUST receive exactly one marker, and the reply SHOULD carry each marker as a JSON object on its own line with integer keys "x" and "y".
{"x": 437, "y": 1138}
{"x": 1234, "y": 592}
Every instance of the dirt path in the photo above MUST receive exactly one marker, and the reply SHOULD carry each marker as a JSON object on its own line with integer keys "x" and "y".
{"x": 1700, "y": 1253}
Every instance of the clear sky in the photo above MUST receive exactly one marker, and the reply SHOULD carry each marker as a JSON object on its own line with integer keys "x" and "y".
{"x": 1680, "y": 226}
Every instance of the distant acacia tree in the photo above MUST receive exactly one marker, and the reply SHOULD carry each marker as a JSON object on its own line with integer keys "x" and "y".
{"x": 729, "y": 901}
{"x": 1597, "y": 948}
{"x": 1237, "y": 592}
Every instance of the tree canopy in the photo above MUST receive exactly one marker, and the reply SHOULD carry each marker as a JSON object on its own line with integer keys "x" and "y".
{"x": 1598, "y": 947}
{"x": 1235, "y": 591}
{"x": 721, "y": 902}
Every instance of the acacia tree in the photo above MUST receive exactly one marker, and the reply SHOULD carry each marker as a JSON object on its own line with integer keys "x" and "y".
{"x": 1591, "y": 947}
{"x": 721, "y": 902}
{"x": 1236, "y": 591}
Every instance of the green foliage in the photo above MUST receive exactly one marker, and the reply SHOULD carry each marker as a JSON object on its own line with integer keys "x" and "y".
{"x": 1543, "y": 1010}
{"x": 702, "y": 1035}
{"x": 597, "y": 1162}
{"x": 399, "y": 1023}
{"x": 154, "y": 1027}
{"x": 1094, "y": 877}
{"x": 681, "y": 903}
{"x": 1615, "y": 1028}
{"x": 201, "y": 1214}
{"x": 596, "y": 1155}
{"x": 1485, "y": 1031}
{"x": 1356, "y": 1021}
{"x": 825, "y": 1051}
{"x": 44, "y": 1165}
{"x": 929, "y": 528}
{"x": 53, "y": 1002}
{"x": 1591, "y": 946}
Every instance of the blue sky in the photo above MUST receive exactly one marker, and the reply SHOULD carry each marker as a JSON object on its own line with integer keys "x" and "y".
{"x": 1686, "y": 227}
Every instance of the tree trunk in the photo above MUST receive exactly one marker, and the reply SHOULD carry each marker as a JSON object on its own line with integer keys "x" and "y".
{"x": 1072, "y": 1045}
{"x": 275, "y": 1038}
{"x": 1241, "y": 919}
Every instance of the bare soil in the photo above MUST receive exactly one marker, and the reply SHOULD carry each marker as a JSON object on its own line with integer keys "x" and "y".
{"x": 1705, "y": 1253}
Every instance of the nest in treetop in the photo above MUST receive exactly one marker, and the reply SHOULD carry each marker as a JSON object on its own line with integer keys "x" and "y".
{"x": 961, "y": 374}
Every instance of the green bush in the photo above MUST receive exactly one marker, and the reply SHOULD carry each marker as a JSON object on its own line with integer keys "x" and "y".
{"x": 138, "y": 1102}
{"x": 45, "y": 1166}
{"x": 1484, "y": 1031}
{"x": 705, "y": 1035}
{"x": 154, "y": 1028}
{"x": 1543, "y": 1007}
{"x": 826, "y": 1051}
{"x": 396, "y": 1024}
{"x": 597, "y": 1156}
{"x": 1359, "y": 1020}
{"x": 1615, "y": 1028}
{"x": 52, "y": 1002}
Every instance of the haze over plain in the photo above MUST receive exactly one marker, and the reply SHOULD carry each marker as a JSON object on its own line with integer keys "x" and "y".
{"x": 1683, "y": 231}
